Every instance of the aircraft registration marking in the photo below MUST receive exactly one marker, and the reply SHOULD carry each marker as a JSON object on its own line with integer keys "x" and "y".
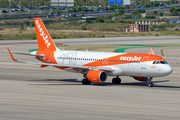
{"x": 153, "y": 66}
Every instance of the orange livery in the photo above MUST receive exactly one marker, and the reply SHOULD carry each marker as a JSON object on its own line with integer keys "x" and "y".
{"x": 97, "y": 66}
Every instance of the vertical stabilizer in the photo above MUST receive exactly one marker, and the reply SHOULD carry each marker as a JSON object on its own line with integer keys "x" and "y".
{"x": 43, "y": 38}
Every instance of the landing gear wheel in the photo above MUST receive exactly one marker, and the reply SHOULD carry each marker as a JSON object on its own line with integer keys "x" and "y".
{"x": 89, "y": 82}
{"x": 86, "y": 82}
{"x": 151, "y": 85}
{"x": 116, "y": 80}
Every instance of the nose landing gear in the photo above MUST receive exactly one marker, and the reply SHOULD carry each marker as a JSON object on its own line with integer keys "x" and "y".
{"x": 150, "y": 83}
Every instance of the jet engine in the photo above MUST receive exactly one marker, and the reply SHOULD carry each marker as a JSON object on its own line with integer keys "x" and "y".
{"x": 96, "y": 76}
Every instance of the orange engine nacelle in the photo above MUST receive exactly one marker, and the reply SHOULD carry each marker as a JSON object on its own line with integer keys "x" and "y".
{"x": 96, "y": 76}
{"x": 140, "y": 78}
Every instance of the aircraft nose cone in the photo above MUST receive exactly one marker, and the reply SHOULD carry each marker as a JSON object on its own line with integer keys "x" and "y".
{"x": 168, "y": 70}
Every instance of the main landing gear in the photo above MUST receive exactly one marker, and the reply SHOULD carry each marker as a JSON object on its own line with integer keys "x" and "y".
{"x": 86, "y": 82}
{"x": 116, "y": 80}
{"x": 150, "y": 83}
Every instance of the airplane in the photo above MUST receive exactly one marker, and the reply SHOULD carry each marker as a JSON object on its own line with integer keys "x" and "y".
{"x": 97, "y": 66}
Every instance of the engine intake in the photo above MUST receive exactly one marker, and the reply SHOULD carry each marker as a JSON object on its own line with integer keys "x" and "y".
{"x": 97, "y": 76}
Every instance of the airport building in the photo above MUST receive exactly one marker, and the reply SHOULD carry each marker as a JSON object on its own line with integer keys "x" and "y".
{"x": 67, "y": 3}
{"x": 139, "y": 27}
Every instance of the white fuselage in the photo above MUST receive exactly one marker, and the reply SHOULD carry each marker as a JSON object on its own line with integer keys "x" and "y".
{"x": 136, "y": 65}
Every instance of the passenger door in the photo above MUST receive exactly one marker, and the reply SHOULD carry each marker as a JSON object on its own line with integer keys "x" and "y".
{"x": 143, "y": 63}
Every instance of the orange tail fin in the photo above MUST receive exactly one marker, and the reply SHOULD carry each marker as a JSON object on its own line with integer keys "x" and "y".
{"x": 43, "y": 38}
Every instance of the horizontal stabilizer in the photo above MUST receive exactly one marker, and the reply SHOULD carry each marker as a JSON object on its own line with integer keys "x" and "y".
{"x": 28, "y": 54}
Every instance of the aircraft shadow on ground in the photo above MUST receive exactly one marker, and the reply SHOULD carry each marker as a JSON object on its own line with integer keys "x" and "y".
{"x": 56, "y": 80}
{"x": 65, "y": 80}
{"x": 142, "y": 84}
{"x": 155, "y": 85}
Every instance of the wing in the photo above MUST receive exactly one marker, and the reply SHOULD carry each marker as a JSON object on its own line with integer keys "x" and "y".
{"x": 60, "y": 65}
{"x": 151, "y": 51}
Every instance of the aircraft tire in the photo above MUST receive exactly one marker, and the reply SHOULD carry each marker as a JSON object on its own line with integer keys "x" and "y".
{"x": 116, "y": 80}
{"x": 151, "y": 85}
{"x": 86, "y": 82}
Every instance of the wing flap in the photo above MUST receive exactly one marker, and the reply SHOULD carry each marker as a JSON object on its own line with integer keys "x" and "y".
{"x": 72, "y": 66}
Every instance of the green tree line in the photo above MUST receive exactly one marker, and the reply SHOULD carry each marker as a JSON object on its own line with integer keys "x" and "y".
{"x": 148, "y": 3}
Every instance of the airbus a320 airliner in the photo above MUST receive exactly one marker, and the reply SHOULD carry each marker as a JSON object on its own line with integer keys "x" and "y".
{"x": 96, "y": 66}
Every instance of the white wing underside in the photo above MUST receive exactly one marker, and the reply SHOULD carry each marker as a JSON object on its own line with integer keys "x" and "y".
{"x": 72, "y": 66}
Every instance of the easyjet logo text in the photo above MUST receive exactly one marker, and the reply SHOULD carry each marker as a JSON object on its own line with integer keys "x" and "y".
{"x": 44, "y": 36}
{"x": 135, "y": 58}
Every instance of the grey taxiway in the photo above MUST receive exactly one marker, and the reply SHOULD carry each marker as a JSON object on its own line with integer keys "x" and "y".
{"x": 30, "y": 92}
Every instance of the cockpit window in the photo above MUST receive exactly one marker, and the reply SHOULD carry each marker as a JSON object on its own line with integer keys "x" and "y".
{"x": 160, "y": 62}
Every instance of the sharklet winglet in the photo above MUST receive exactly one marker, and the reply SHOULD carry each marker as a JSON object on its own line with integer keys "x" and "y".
{"x": 151, "y": 51}
{"x": 12, "y": 57}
